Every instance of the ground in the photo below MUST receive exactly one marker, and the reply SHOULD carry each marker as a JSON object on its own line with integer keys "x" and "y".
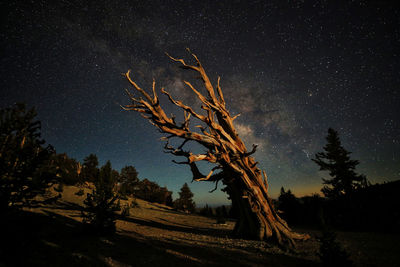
{"x": 156, "y": 235}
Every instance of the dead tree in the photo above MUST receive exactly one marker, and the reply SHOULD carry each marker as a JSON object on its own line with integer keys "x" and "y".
{"x": 234, "y": 165}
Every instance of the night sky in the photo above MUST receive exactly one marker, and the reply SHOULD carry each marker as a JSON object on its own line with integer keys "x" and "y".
{"x": 291, "y": 68}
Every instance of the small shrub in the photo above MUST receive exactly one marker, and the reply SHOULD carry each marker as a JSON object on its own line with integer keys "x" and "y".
{"x": 125, "y": 210}
{"x": 331, "y": 252}
{"x": 221, "y": 220}
{"x": 52, "y": 200}
{"x": 100, "y": 206}
{"x": 118, "y": 205}
{"x": 59, "y": 188}
{"x": 134, "y": 203}
{"x": 206, "y": 211}
{"x": 221, "y": 214}
{"x": 123, "y": 197}
{"x": 80, "y": 193}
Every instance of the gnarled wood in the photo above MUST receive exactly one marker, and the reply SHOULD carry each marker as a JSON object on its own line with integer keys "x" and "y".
{"x": 244, "y": 181}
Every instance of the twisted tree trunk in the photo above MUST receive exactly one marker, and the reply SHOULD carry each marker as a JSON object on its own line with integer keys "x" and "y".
{"x": 257, "y": 217}
{"x": 246, "y": 184}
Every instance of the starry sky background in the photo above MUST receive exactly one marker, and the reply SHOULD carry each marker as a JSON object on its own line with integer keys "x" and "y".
{"x": 291, "y": 68}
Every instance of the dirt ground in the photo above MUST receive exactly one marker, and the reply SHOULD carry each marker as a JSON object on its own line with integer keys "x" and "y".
{"x": 156, "y": 235}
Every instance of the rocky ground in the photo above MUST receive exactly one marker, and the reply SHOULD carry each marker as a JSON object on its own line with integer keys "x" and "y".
{"x": 156, "y": 235}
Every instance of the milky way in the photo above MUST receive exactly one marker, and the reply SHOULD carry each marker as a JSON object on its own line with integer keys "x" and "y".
{"x": 292, "y": 69}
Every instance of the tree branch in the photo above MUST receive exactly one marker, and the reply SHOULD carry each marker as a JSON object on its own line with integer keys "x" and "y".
{"x": 221, "y": 137}
{"x": 251, "y": 152}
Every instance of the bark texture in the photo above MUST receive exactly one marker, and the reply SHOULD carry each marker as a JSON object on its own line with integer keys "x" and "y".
{"x": 245, "y": 183}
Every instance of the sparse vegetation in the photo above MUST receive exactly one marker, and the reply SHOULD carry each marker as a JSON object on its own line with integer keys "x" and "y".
{"x": 134, "y": 203}
{"x": 289, "y": 206}
{"x": 100, "y": 205}
{"x": 331, "y": 252}
{"x": 221, "y": 214}
{"x": 126, "y": 210}
{"x": 156, "y": 235}
{"x": 206, "y": 211}
{"x": 59, "y": 188}
{"x": 80, "y": 192}
{"x": 68, "y": 169}
{"x": 112, "y": 192}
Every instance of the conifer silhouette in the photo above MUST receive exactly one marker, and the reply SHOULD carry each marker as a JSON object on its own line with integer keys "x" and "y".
{"x": 341, "y": 168}
{"x": 100, "y": 205}
{"x": 185, "y": 201}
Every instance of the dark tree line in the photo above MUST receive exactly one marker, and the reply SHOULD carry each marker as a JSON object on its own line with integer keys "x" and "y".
{"x": 127, "y": 182}
{"x": 369, "y": 209}
{"x": 220, "y": 213}
{"x": 350, "y": 201}
{"x": 152, "y": 192}
{"x": 29, "y": 167}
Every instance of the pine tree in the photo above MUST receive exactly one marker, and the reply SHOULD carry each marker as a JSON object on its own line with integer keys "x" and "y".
{"x": 205, "y": 211}
{"x": 25, "y": 162}
{"x": 90, "y": 170}
{"x": 185, "y": 201}
{"x": 129, "y": 180}
{"x": 221, "y": 214}
{"x": 341, "y": 168}
{"x": 289, "y": 205}
{"x": 68, "y": 169}
{"x": 100, "y": 204}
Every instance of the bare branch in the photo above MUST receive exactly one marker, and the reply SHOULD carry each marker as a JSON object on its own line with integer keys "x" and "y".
{"x": 215, "y": 188}
{"x": 251, "y": 152}
{"x": 235, "y": 117}
{"x": 186, "y": 66}
{"x": 155, "y": 97}
{"x": 255, "y": 164}
{"x": 200, "y": 96}
{"x": 180, "y": 162}
{"x": 137, "y": 87}
{"x": 265, "y": 180}
{"x": 184, "y": 142}
{"x": 220, "y": 94}
{"x": 183, "y": 106}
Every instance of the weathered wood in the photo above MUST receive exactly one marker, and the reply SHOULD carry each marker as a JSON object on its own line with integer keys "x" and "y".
{"x": 244, "y": 181}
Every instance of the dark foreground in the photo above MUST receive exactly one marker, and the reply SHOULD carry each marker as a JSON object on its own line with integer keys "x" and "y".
{"x": 154, "y": 235}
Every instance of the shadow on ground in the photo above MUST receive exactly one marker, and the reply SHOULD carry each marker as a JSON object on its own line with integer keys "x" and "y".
{"x": 50, "y": 239}
{"x": 178, "y": 228}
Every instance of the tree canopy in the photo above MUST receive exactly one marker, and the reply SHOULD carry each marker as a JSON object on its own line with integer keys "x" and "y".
{"x": 25, "y": 167}
{"x": 68, "y": 168}
{"x": 185, "y": 201}
{"x": 90, "y": 168}
{"x": 336, "y": 160}
{"x": 128, "y": 180}
{"x": 100, "y": 204}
